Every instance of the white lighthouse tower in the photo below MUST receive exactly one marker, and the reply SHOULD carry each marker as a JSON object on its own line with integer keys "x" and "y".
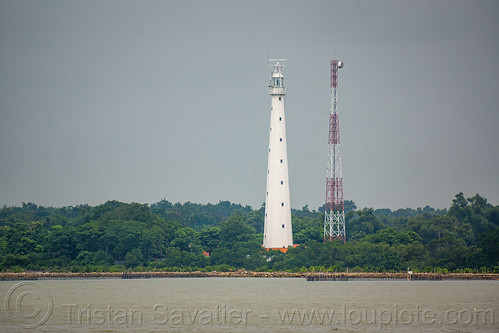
{"x": 278, "y": 232}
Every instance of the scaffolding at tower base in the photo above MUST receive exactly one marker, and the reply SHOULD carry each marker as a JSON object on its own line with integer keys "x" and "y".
{"x": 334, "y": 212}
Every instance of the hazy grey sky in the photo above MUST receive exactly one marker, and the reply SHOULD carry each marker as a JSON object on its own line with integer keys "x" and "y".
{"x": 143, "y": 100}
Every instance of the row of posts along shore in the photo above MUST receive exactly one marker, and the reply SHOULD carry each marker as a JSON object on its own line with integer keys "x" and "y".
{"x": 318, "y": 276}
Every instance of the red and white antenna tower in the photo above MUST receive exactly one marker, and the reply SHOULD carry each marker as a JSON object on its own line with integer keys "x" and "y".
{"x": 334, "y": 215}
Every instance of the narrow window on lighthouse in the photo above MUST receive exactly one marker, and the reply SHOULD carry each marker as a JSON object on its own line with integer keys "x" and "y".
{"x": 279, "y": 97}
{"x": 281, "y": 161}
{"x": 282, "y": 182}
{"x": 282, "y": 204}
{"x": 280, "y": 139}
{"x": 283, "y": 226}
{"x": 280, "y": 118}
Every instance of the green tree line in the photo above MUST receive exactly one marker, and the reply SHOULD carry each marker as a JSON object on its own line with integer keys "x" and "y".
{"x": 117, "y": 236}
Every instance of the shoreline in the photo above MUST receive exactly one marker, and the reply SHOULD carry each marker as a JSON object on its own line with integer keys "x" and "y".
{"x": 242, "y": 274}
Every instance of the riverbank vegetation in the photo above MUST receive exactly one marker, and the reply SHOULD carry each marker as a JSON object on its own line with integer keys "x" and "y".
{"x": 117, "y": 236}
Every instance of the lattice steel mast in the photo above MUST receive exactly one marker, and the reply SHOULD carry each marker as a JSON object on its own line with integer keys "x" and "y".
{"x": 334, "y": 215}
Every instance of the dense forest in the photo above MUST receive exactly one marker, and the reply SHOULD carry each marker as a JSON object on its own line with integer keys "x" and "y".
{"x": 117, "y": 236}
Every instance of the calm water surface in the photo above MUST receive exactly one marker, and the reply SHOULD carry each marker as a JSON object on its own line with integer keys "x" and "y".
{"x": 248, "y": 305}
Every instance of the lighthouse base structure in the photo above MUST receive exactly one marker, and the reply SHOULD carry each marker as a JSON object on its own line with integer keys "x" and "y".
{"x": 282, "y": 249}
